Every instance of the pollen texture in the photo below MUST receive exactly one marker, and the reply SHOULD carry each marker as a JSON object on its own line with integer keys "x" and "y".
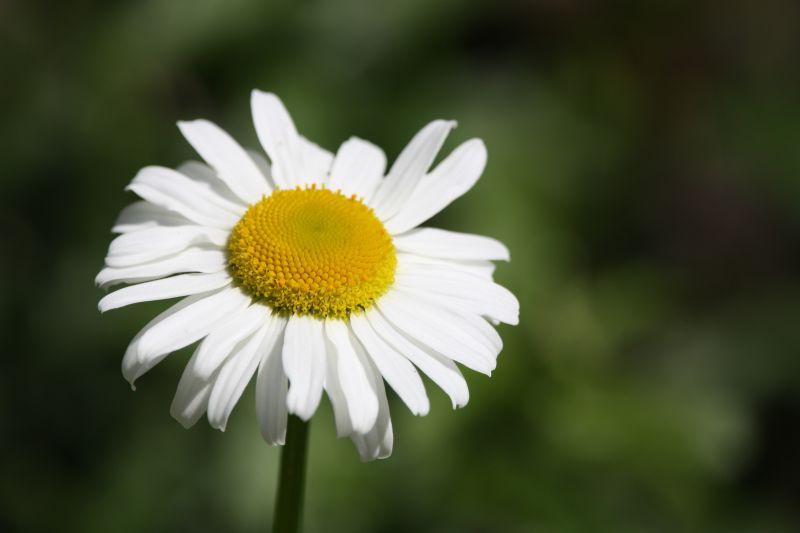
{"x": 312, "y": 252}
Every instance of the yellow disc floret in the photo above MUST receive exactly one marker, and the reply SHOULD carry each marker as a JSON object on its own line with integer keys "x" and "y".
{"x": 312, "y": 252}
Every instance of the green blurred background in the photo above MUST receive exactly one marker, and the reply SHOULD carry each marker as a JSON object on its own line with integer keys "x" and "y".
{"x": 643, "y": 169}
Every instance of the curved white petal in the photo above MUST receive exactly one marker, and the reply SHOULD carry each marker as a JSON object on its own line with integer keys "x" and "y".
{"x": 441, "y": 370}
{"x": 378, "y": 442}
{"x": 484, "y": 269}
{"x": 191, "y": 397}
{"x": 186, "y": 322}
{"x": 207, "y": 176}
{"x": 232, "y": 164}
{"x": 164, "y": 289}
{"x": 333, "y": 388}
{"x": 142, "y": 215}
{"x": 234, "y": 376}
{"x": 190, "y": 260}
{"x": 219, "y": 344}
{"x": 434, "y": 242}
{"x": 473, "y": 327}
{"x": 348, "y": 372}
{"x": 279, "y": 138}
{"x": 358, "y": 168}
{"x": 317, "y": 162}
{"x": 263, "y": 165}
{"x": 304, "y": 363}
{"x": 149, "y": 244}
{"x": 398, "y": 372}
{"x": 196, "y": 201}
{"x": 460, "y": 289}
{"x": 409, "y": 168}
{"x": 450, "y": 179}
{"x": 272, "y": 387}
{"x": 439, "y": 329}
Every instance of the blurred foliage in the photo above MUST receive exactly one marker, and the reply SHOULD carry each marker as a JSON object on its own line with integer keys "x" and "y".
{"x": 643, "y": 170}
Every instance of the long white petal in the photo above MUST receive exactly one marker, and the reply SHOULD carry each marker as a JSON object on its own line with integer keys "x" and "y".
{"x": 186, "y": 322}
{"x": 142, "y": 215}
{"x": 434, "y": 242}
{"x": 272, "y": 386}
{"x": 440, "y": 329}
{"x": 333, "y": 388}
{"x": 398, "y": 372}
{"x": 406, "y": 172}
{"x": 440, "y": 369}
{"x": 191, "y": 398}
{"x": 279, "y": 138}
{"x": 473, "y": 327}
{"x": 461, "y": 289}
{"x": 304, "y": 363}
{"x": 484, "y": 269}
{"x": 204, "y": 174}
{"x": 263, "y": 165}
{"x": 317, "y": 161}
{"x": 196, "y": 201}
{"x": 164, "y": 289}
{"x": 450, "y": 179}
{"x": 360, "y": 398}
{"x": 234, "y": 376}
{"x": 149, "y": 244}
{"x": 358, "y": 168}
{"x": 232, "y": 164}
{"x": 378, "y": 442}
{"x": 219, "y": 344}
{"x": 191, "y": 260}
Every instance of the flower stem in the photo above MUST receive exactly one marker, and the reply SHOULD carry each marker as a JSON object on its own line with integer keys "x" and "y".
{"x": 289, "y": 501}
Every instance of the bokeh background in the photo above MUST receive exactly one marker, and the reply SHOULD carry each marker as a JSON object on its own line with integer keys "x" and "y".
{"x": 644, "y": 171}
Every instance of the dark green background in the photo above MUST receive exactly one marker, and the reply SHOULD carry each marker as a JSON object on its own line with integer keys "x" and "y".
{"x": 643, "y": 169}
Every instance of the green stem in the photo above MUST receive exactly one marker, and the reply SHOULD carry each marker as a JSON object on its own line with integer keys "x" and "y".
{"x": 289, "y": 502}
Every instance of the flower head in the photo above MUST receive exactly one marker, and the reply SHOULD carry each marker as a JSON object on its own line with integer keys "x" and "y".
{"x": 308, "y": 271}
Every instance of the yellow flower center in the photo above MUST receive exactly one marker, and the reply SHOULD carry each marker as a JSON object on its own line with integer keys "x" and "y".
{"x": 312, "y": 252}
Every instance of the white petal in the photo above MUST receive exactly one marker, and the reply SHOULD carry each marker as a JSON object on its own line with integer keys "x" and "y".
{"x": 358, "y": 168}
{"x": 333, "y": 387}
{"x": 279, "y": 138}
{"x": 360, "y": 399}
{"x": 272, "y": 387}
{"x": 460, "y": 289}
{"x": 441, "y": 370}
{"x": 164, "y": 289}
{"x": 191, "y": 398}
{"x": 196, "y": 201}
{"x": 378, "y": 442}
{"x": 484, "y": 269}
{"x": 204, "y": 174}
{"x": 149, "y": 244}
{"x": 412, "y": 163}
{"x": 439, "y": 329}
{"x": 219, "y": 344}
{"x": 142, "y": 215}
{"x": 450, "y": 179}
{"x": 398, "y": 372}
{"x": 234, "y": 376}
{"x": 433, "y": 242}
{"x": 182, "y": 324}
{"x": 191, "y": 260}
{"x": 317, "y": 162}
{"x": 304, "y": 364}
{"x": 263, "y": 165}
{"x": 234, "y": 167}
{"x": 473, "y": 327}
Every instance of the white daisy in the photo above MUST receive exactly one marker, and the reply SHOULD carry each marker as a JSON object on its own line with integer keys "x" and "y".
{"x": 310, "y": 272}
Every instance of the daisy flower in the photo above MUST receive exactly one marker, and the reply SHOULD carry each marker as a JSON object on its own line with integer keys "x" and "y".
{"x": 309, "y": 271}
